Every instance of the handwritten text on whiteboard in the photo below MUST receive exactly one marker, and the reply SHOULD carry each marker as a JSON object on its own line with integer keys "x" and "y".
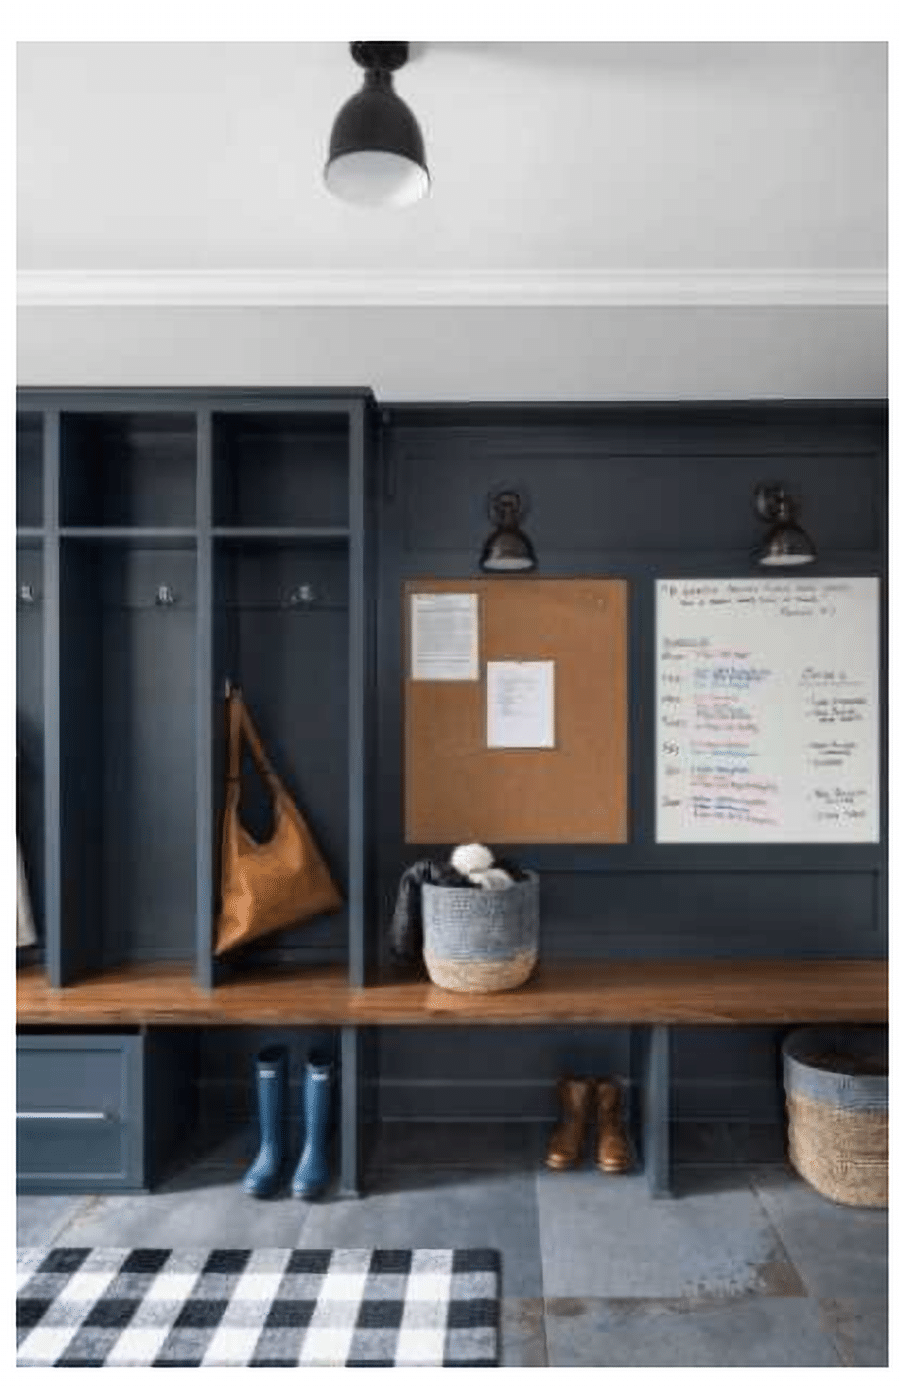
{"x": 767, "y": 710}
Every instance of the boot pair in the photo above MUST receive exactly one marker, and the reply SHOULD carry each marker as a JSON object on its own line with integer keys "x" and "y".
{"x": 311, "y": 1176}
{"x": 579, "y": 1100}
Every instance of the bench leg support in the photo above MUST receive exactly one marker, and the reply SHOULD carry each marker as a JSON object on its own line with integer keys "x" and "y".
{"x": 654, "y": 1045}
{"x": 350, "y": 1146}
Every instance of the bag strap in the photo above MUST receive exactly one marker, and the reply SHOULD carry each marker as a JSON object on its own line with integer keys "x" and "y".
{"x": 239, "y": 721}
{"x": 233, "y": 703}
{"x": 265, "y": 767}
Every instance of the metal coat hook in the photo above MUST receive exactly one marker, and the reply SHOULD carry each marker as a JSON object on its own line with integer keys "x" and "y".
{"x": 302, "y": 596}
{"x": 165, "y": 596}
{"x": 27, "y": 594}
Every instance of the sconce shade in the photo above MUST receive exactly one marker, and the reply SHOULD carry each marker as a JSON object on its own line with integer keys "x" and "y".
{"x": 787, "y": 544}
{"x": 376, "y": 155}
{"x": 507, "y": 549}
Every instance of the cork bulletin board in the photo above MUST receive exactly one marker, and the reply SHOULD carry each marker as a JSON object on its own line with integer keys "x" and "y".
{"x": 457, "y": 789}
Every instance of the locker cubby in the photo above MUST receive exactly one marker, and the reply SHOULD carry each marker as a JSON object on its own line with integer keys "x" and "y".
{"x": 30, "y": 732}
{"x": 168, "y": 539}
{"x": 29, "y": 471}
{"x": 127, "y": 628}
{"x": 281, "y": 633}
{"x": 126, "y": 469}
{"x": 274, "y": 469}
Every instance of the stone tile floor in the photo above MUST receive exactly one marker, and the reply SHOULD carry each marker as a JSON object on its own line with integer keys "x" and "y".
{"x": 746, "y": 1265}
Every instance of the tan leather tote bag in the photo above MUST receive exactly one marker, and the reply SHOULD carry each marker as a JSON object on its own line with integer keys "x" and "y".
{"x": 266, "y": 886}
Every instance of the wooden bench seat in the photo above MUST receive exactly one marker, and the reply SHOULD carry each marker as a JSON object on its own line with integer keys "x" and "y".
{"x": 674, "y": 992}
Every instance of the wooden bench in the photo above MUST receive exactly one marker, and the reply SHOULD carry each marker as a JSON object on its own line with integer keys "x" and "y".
{"x": 650, "y": 998}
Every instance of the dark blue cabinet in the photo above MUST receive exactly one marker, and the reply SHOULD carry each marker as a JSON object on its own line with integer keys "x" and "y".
{"x": 100, "y": 1111}
{"x": 79, "y": 1113}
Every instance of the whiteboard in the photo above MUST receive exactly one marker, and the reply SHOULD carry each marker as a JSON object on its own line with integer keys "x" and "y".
{"x": 767, "y": 711}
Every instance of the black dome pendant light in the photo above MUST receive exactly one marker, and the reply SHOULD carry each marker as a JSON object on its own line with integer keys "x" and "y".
{"x": 377, "y": 156}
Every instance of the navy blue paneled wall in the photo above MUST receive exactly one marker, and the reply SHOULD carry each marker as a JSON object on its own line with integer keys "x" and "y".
{"x": 639, "y": 492}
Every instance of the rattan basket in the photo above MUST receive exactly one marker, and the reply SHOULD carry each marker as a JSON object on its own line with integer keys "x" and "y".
{"x": 480, "y": 941}
{"x": 836, "y": 1088}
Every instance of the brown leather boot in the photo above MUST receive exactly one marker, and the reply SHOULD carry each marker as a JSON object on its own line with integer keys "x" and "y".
{"x": 566, "y": 1145}
{"x": 613, "y": 1148}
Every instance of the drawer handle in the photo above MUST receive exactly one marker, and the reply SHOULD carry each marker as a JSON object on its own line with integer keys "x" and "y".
{"x": 81, "y": 1115}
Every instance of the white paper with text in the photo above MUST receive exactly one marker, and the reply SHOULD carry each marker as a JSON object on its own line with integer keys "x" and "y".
{"x": 444, "y": 636}
{"x": 520, "y": 704}
{"x": 767, "y": 716}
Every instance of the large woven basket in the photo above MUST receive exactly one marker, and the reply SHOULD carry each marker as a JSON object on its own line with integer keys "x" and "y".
{"x": 836, "y": 1086}
{"x": 480, "y": 941}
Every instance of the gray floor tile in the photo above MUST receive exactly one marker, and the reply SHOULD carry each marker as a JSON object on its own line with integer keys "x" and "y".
{"x": 523, "y": 1340}
{"x": 605, "y": 1236}
{"x": 743, "y": 1332}
{"x": 717, "y": 1262}
{"x": 838, "y": 1251}
{"x": 449, "y": 1209}
{"x": 40, "y": 1219}
{"x": 214, "y": 1214}
{"x": 509, "y": 1146}
{"x": 859, "y": 1330}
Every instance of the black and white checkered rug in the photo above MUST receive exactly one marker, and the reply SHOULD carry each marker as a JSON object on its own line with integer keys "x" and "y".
{"x": 130, "y": 1307}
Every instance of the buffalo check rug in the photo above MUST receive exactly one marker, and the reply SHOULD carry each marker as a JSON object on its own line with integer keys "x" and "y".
{"x": 133, "y": 1307}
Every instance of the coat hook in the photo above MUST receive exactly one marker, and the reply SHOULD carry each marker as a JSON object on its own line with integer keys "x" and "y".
{"x": 26, "y": 593}
{"x": 301, "y": 596}
{"x": 165, "y": 597}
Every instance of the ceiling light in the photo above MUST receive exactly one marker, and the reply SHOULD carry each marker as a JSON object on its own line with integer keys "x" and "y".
{"x": 376, "y": 157}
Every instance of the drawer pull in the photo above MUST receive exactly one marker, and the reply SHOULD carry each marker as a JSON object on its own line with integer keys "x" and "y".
{"x": 80, "y": 1114}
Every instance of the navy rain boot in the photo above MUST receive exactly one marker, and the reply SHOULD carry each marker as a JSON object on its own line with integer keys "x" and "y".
{"x": 271, "y": 1081}
{"x": 311, "y": 1176}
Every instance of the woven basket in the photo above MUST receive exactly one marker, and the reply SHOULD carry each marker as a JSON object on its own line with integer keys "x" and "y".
{"x": 480, "y": 941}
{"x": 836, "y": 1086}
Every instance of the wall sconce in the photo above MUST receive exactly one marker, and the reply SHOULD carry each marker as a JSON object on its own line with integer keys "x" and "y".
{"x": 507, "y": 549}
{"x": 786, "y": 544}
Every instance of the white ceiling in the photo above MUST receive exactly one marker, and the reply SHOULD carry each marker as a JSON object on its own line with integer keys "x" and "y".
{"x": 547, "y": 159}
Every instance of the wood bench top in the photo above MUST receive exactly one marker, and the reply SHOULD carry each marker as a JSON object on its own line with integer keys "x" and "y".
{"x": 719, "y": 992}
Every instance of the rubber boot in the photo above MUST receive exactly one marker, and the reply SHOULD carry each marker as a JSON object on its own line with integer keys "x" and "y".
{"x": 312, "y": 1174}
{"x": 271, "y": 1081}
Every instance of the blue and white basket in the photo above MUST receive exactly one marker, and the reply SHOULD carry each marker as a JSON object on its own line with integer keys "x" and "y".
{"x": 479, "y": 941}
{"x": 836, "y": 1087}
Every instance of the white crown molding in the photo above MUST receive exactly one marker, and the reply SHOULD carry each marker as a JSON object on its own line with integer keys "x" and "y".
{"x": 450, "y": 289}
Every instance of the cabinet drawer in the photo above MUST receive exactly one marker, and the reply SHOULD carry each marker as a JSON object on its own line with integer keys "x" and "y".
{"x": 79, "y": 1113}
